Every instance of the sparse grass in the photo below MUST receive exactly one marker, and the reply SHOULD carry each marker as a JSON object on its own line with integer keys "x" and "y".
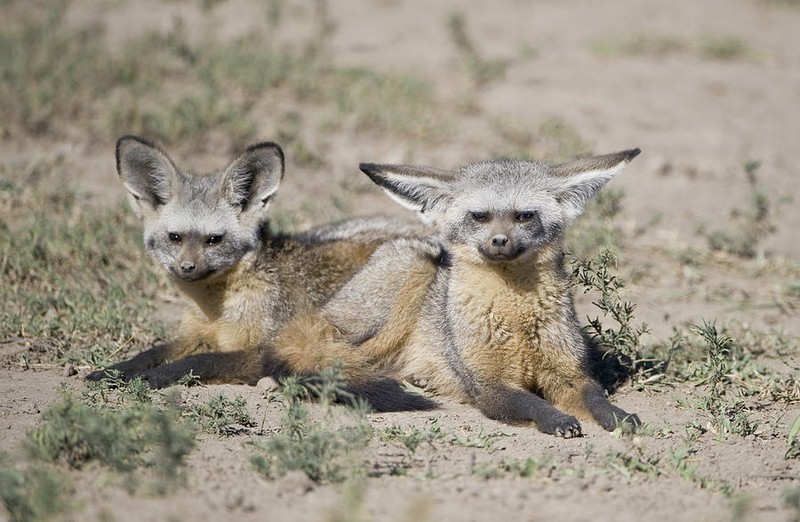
{"x": 754, "y": 223}
{"x": 791, "y": 499}
{"x": 598, "y": 228}
{"x": 220, "y": 415}
{"x": 49, "y": 74}
{"x": 481, "y": 70}
{"x": 31, "y": 493}
{"x": 137, "y": 435}
{"x": 793, "y": 440}
{"x": 641, "y": 44}
{"x": 175, "y": 89}
{"x": 324, "y": 451}
{"x": 629, "y": 465}
{"x": 722, "y": 405}
{"x": 714, "y": 47}
{"x": 77, "y": 286}
{"x": 622, "y": 342}
{"x": 724, "y": 48}
{"x": 562, "y": 138}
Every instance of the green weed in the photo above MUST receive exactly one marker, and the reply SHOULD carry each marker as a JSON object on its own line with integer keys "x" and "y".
{"x": 50, "y": 74}
{"x": 561, "y": 139}
{"x": 530, "y": 467}
{"x": 413, "y": 437}
{"x": 791, "y": 499}
{"x": 754, "y": 222}
{"x": 77, "y": 285}
{"x": 641, "y": 45}
{"x": 723, "y": 407}
{"x": 220, "y": 415}
{"x": 481, "y": 70}
{"x": 708, "y": 47}
{"x": 598, "y": 229}
{"x": 138, "y": 435}
{"x": 629, "y": 465}
{"x": 724, "y": 48}
{"x": 793, "y": 440}
{"x": 32, "y": 493}
{"x": 624, "y": 342}
{"x": 325, "y": 451}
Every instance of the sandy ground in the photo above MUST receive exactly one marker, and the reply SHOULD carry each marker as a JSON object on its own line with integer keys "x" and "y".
{"x": 695, "y": 119}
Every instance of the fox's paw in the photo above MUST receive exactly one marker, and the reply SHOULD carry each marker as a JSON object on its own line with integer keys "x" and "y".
{"x": 563, "y": 425}
{"x": 109, "y": 374}
{"x": 615, "y": 417}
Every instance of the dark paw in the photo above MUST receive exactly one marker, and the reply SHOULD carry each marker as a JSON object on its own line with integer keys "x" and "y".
{"x": 156, "y": 381}
{"x": 97, "y": 375}
{"x": 109, "y": 374}
{"x": 617, "y": 417}
{"x": 565, "y": 426}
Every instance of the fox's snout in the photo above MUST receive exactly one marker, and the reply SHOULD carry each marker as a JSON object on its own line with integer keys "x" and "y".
{"x": 500, "y": 247}
{"x": 190, "y": 264}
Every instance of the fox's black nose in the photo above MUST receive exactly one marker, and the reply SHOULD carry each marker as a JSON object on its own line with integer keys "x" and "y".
{"x": 187, "y": 267}
{"x": 499, "y": 240}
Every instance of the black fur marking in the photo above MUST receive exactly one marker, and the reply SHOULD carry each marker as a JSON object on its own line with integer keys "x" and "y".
{"x": 512, "y": 405}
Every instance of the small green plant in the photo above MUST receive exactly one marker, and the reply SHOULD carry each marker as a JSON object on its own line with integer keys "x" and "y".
{"x": 220, "y": 415}
{"x": 687, "y": 470}
{"x": 657, "y": 45}
{"x": 754, "y": 222}
{"x": 708, "y": 47}
{"x": 77, "y": 286}
{"x": 793, "y": 451}
{"x": 32, "y": 493}
{"x": 623, "y": 343}
{"x": 724, "y": 48}
{"x": 138, "y": 435}
{"x": 629, "y": 465}
{"x": 791, "y": 499}
{"x": 530, "y": 467}
{"x": 325, "y": 451}
{"x": 561, "y": 139}
{"x": 725, "y": 409}
{"x": 598, "y": 229}
{"x": 413, "y": 437}
{"x": 481, "y": 70}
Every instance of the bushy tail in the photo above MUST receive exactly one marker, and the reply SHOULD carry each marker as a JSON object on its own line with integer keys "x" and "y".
{"x": 310, "y": 345}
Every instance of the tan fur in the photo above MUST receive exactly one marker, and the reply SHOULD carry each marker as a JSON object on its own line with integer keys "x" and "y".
{"x": 497, "y": 325}
{"x": 255, "y": 294}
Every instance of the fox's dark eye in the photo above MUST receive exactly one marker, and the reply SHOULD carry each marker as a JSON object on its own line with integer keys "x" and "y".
{"x": 175, "y": 238}
{"x": 480, "y": 216}
{"x": 525, "y": 215}
{"x": 213, "y": 239}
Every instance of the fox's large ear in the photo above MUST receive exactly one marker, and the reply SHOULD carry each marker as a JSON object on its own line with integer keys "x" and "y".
{"x": 581, "y": 179}
{"x": 146, "y": 171}
{"x": 253, "y": 178}
{"x": 417, "y": 188}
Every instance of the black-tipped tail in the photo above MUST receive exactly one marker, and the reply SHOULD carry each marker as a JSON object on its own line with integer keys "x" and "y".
{"x": 387, "y": 394}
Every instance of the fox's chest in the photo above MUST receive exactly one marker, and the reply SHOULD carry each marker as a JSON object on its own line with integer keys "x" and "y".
{"x": 503, "y": 330}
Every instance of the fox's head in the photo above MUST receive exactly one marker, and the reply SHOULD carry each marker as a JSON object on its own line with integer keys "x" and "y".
{"x": 502, "y": 210}
{"x": 199, "y": 225}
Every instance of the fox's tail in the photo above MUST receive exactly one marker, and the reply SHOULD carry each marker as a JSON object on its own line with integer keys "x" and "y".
{"x": 309, "y": 345}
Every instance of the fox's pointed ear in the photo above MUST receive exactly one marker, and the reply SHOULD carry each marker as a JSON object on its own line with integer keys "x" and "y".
{"x": 146, "y": 171}
{"x": 416, "y": 188}
{"x": 252, "y": 179}
{"x": 581, "y": 179}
